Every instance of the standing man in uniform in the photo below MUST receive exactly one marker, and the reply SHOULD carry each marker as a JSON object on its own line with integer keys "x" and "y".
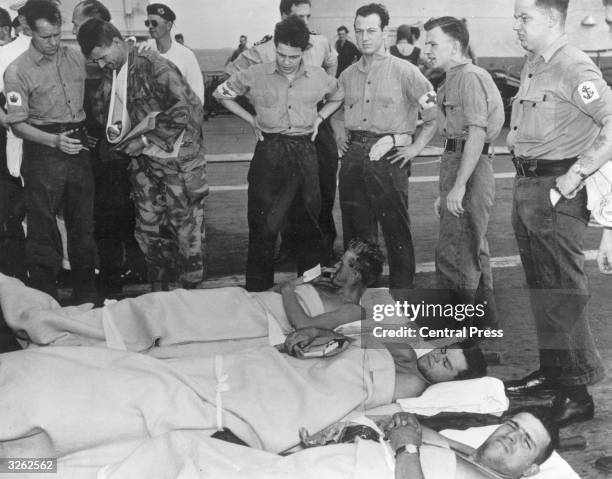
{"x": 470, "y": 117}
{"x": 168, "y": 166}
{"x": 319, "y": 53}
{"x": 560, "y": 133}
{"x": 160, "y": 20}
{"x": 348, "y": 53}
{"x": 44, "y": 89}
{"x": 283, "y": 178}
{"x": 242, "y": 46}
{"x": 383, "y": 97}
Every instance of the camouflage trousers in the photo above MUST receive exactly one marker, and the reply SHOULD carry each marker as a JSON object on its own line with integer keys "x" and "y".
{"x": 170, "y": 219}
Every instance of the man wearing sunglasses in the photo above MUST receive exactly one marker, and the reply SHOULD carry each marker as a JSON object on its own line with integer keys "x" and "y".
{"x": 160, "y": 20}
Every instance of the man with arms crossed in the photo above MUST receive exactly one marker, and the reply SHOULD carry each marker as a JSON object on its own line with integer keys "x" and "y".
{"x": 383, "y": 97}
{"x": 560, "y": 133}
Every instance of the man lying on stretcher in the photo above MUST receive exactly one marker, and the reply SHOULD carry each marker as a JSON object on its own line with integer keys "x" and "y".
{"x": 413, "y": 374}
{"x": 523, "y": 441}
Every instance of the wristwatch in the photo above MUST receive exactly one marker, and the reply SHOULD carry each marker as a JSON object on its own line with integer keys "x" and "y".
{"x": 409, "y": 448}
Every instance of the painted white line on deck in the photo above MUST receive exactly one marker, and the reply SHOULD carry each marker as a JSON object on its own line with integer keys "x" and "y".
{"x": 413, "y": 179}
{"x": 427, "y": 267}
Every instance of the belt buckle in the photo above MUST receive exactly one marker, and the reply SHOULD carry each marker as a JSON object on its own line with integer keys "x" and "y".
{"x": 533, "y": 166}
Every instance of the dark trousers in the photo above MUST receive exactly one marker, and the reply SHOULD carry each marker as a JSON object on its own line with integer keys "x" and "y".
{"x": 550, "y": 242}
{"x": 283, "y": 189}
{"x": 462, "y": 252}
{"x": 12, "y": 239}
{"x": 115, "y": 218}
{"x": 327, "y": 159}
{"x": 54, "y": 182}
{"x": 378, "y": 190}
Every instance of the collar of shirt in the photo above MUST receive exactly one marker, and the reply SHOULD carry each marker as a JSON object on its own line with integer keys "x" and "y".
{"x": 457, "y": 68}
{"x": 559, "y": 43}
{"x": 272, "y": 68}
{"x": 361, "y": 64}
{"x": 38, "y": 57}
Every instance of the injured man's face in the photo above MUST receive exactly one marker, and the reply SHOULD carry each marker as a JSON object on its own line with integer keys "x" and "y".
{"x": 442, "y": 364}
{"x": 516, "y": 448}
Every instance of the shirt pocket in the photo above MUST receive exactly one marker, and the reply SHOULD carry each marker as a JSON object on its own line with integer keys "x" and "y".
{"x": 537, "y": 121}
{"x": 453, "y": 111}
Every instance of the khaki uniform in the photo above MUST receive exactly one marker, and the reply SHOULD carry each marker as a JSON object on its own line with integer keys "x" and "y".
{"x": 47, "y": 92}
{"x": 468, "y": 97}
{"x": 556, "y": 116}
{"x": 381, "y": 100}
{"x": 284, "y": 173}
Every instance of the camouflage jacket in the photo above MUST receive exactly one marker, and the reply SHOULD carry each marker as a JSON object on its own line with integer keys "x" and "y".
{"x": 155, "y": 84}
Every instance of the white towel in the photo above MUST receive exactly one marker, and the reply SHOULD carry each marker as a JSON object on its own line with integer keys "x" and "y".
{"x": 483, "y": 395}
{"x": 599, "y": 191}
{"x": 382, "y": 146}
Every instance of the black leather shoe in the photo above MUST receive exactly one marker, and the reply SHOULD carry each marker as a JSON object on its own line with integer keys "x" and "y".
{"x": 534, "y": 383}
{"x": 567, "y": 411}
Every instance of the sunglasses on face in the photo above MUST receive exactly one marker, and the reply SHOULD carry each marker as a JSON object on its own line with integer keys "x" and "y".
{"x": 151, "y": 23}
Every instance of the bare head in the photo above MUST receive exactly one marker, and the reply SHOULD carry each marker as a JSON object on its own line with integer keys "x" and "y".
{"x": 518, "y": 447}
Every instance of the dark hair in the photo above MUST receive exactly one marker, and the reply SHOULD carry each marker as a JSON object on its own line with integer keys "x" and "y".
{"x": 374, "y": 9}
{"x": 96, "y": 33}
{"x": 545, "y": 416}
{"x": 369, "y": 261}
{"x": 16, "y": 22}
{"x": 286, "y": 5}
{"x": 179, "y": 35}
{"x": 559, "y": 5}
{"x": 292, "y": 31}
{"x": 476, "y": 362}
{"x": 416, "y": 33}
{"x": 404, "y": 32}
{"x": 243, "y": 36}
{"x": 453, "y": 27}
{"x": 5, "y": 19}
{"x": 342, "y": 28}
{"x": 35, "y": 10}
{"x": 94, "y": 9}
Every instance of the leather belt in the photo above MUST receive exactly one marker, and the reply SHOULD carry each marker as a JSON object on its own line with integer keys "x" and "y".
{"x": 365, "y": 136}
{"x": 61, "y": 127}
{"x": 457, "y": 146}
{"x": 275, "y": 136}
{"x": 531, "y": 168}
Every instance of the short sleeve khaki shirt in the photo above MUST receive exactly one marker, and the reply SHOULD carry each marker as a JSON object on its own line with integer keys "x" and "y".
{"x": 283, "y": 106}
{"x": 558, "y": 110}
{"x": 469, "y": 97}
{"x": 42, "y": 89}
{"x": 387, "y": 96}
